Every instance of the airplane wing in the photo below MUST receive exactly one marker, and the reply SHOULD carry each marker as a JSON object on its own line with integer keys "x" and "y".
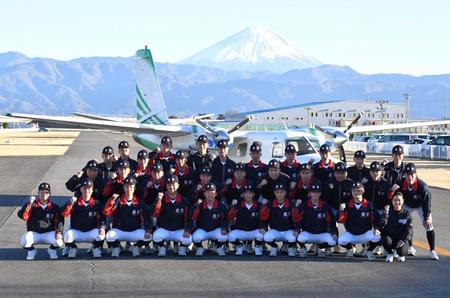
{"x": 371, "y": 128}
{"x": 93, "y": 117}
{"x": 133, "y": 127}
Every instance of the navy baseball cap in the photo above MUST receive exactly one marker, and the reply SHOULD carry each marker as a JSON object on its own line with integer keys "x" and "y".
{"x": 171, "y": 178}
{"x": 325, "y": 148}
{"x": 202, "y": 139}
{"x": 44, "y": 186}
{"x": 316, "y": 187}
{"x": 108, "y": 150}
{"x": 205, "y": 170}
{"x": 210, "y": 186}
{"x": 86, "y": 182}
{"x": 166, "y": 140}
{"x": 180, "y": 154}
{"x": 397, "y": 149}
{"x": 222, "y": 144}
{"x": 279, "y": 186}
{"x": 124, "y": 144}
{"x": 249, "y": 187}
{"x": 340, "y": 167}
{"x": 360, "y": 154}
{"x": 375, "y": 166}
{"x": 305, "y": 167}
{"x": 255, "y": 147}
{"x": 157, "y": 166}
{"x": 123, "y": 164}
{"x": 357, "y": 184}
{"x": 91, "y": 164}
{"x": 274, "y": 164}
{"x": 239, "y": 167}
{"x": 290, "y": 149}
{"x": 410, "y": 168}
{"x": 130, "y": 180}
{"x": 142, "y": 154}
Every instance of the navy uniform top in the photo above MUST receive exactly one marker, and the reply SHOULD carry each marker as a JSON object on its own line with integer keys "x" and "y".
{"x": 245, "y": 218}
{"x": 208, "y": 219}
{"x": 358, "y": 220}
{"x": 84, "y": 216}
{"x": 171, "y": 214}
{"x": 128, "y": 216}
{"x": 316, "y": 219}
{"x": 41, "y": 218}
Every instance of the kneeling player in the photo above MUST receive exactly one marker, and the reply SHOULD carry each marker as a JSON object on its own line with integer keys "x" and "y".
{"x": 361, "y": 223}
{"x": 278, "y": 216}
{"x": 44, "y": 223}
{"x": 170, "y": 213}
{"x": 87, "y": 224}
{"x": 130, "y": 222}
{"x": 317, "y": 223}
{"x": 245, "y": 216}
{"x": 209, "y": 217}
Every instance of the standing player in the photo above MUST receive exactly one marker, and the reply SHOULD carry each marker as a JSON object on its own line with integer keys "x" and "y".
{"x": 393, "y": 171}
{"x": 273, "y": 177}
{"x": 290, "y": 165}
{"x": 234, "y": 187}
{"x": 124, "y": 152}
{"x": 222, "y": 166}
{"x": 186, "y": 175}
{"x": 202, "y": 157}
{"x": 255, "y": 168}
{"x": 323, "y": 170}
{"x": 359, "y": 172}
{"x": 166, "y": 157}
{"x": 44, "y": 223}
{"x": 107, "y": 169}
{"x": 304, "y": 183}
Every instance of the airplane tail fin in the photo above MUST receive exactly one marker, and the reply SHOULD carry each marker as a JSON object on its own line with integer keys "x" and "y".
{"x": 150, "y": 105}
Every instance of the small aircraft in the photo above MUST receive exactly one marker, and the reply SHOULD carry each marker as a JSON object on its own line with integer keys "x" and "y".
{"x": 152, "y": 123}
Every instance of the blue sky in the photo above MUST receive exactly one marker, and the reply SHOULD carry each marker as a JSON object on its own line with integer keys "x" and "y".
{"x": 370, "y": 36}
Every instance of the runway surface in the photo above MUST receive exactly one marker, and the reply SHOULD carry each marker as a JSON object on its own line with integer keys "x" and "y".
{"x": 191, "y": 276}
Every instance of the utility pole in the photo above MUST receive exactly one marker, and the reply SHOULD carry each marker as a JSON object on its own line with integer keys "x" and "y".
{"x": 445, "y": 108}
{"x": 407, "y": 97}
{"x": 382, "y": 109}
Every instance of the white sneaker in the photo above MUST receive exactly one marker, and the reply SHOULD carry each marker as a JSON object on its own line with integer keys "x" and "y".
{"x": 395, "y": 254}
{"x": 378, "y": 250}
{"x": 411, "y": 251}
{"x": 65, "y": 251}
{"x": 273, "y": 251}
{"x": 302, "y": 253}
{"x": 199, "y": 252}
{"x": 135, "y": 251}
{"x": 401, "y": 259}
{"x": 31, "y": 254}
{"x": 162, "y": 251}
{"x": 97, "y": 252}
{"x": 72, "y": 253}
{"x": 115, "y": 252}
{"x": 182, "y": 251}
{"x": 390, "y": 258}
{"x": 434, "y": 255}
{"x": 239, "y": 250}
{"x": 221, "y": 251}
{"x": 350, "y": 253}
{"x": 291, "y": 251}
{"x": 313, "y": 248}
{"x": 362, "y": 252}
{"x": 258, "y": 251}
{"x": 52, "y": 253}
{"x": 321, "y": 253}
{"x": 370, "y": 256}
{"x": 336, "y": 249}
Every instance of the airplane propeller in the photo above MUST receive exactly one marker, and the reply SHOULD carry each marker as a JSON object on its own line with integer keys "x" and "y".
{"x": 222, "y": 134}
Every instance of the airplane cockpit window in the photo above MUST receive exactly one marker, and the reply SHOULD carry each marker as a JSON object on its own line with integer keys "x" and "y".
{"x": 302, "y": 145}
{"x": 242, "y": 150}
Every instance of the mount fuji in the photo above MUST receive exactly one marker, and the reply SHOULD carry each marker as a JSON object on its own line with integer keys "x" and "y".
{"x": 253, "y": 49}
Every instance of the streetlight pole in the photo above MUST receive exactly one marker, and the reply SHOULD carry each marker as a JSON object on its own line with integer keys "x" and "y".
{"x": 407, "y": 97}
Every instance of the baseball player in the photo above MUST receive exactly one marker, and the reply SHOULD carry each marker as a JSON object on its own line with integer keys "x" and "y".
{"x": 44, "y": 223}
{"x": 255, "y": 168}
{"x": 304, "y": 183}
{"x": 361, "y": 223}
{"x": 107, "y": 169}
{"x": 273, "y": 177}
{"x": 244, "y": 219}
{"x": 222, "y": 167}
{"x": 209, "y": 220}
{"x": 323, "y": 170}
{"x": 90, "y": 171}
{"x": 359, "y": 172}
{"x": 397, "y": 229}
{"x": 317, "y": 223}
{"x": 165, "y": 156}
{"x": 393, "y": 171}
{"x": 186, "y": 175}
{"x": 418, "y": 201}
{"x": 279, "y": 217}
{"x": 235, "y": 186}
{"x": 290, "y": 165}
{"x": 202, "y": 157}
{"x": 130, "y": 222}
{"x": 155, "y": 184}
{"x": 198, "y": 192}
{"x": 170, "y": 214}
{"x": 115, "y": 185}
{"x": 124, "y": 152}
{"x": 87, "y": 224}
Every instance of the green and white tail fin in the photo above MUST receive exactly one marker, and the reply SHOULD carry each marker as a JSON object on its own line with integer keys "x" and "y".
{"x": 150, "y": 105}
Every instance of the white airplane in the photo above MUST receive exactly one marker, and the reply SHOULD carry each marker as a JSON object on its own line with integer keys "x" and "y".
{"x": 153, "y": 123}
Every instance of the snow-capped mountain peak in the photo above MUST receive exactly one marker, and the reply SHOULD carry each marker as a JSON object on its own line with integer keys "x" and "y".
{"x": 253, "y": 49}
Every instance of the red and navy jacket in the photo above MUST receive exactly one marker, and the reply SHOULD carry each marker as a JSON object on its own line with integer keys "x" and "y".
{"x": 142, "y": 176}
{"x": 266, "y": 191}
{"x": 378, "y": 192}
{"x": 133, "y": 163}
{"x": 171, "y": 215}
{"x": 292, "y": 170}
{"x": 301, "y": 191}
{"x": 105, "y": 171}
{"x": 278, "y": 216}
{"x": 186, "y": 178}
{"x": 316, "y": 219}
{"x": 417, "y": 196}
{"x": 323, "y": 172}
{"x": 151, "y": 193}
{"x": 358, "y": 221}
{"x": 84, "y": 217}
{"x": 255, "y": 171}
{"x": 245, "y": 219}
{"x": 335, "y": 192}
{"x": 393, "y": 174}
{"x": 73, "y": 184}
{"x": 208, "y": 219}
{"x": 128, "y": 217}
{"x": 42, "y": 220}
{"x": 197, "y": 161}
{"x": 397, "y": 224}
{"x": 358, "y": 175}
{"x": 221, "y": 172}
{"x": 233, "y": 191}
{"x": 168, "y": 162}
{"x": 113, "y": 186}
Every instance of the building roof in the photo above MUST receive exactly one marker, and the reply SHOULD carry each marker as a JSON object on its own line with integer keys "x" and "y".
{"x": 302, "y": 105}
